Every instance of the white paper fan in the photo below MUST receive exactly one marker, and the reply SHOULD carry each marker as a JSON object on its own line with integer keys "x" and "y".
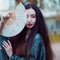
{"x": 15, "y": 28}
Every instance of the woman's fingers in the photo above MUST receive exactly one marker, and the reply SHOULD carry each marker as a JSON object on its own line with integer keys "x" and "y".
{"x": 4, "y": 47}
{"x": 8, "y": 48}
{"x": 10, "y": 13}
{"x": 9, "y": 42}
{"x": 5, "y": 44}
{"x": 7, "y": 16}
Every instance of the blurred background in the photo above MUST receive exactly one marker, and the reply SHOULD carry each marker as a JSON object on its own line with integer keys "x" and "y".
{"x": 51, "y": 12}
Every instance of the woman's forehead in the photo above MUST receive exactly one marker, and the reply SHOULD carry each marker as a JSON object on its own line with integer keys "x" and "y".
{"x": 30, "y": 11}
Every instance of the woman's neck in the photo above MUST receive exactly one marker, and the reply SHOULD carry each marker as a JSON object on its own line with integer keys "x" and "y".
{"x": 28, "y": 33}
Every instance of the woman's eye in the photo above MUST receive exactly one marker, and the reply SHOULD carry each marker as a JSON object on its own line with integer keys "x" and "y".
{"x": 33, "y": 16}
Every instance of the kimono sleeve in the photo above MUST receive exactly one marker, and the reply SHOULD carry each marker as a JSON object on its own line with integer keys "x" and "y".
{"x": 15, "y": 57}
{"x": 41, "y": 55}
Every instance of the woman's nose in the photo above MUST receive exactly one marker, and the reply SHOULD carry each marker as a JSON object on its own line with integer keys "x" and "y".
{"x": 29, "y": 19}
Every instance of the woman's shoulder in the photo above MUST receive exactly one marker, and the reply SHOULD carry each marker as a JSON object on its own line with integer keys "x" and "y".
{"x": 37, "y": 36}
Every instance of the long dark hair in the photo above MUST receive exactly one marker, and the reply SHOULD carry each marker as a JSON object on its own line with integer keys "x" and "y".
{"x": 21, "y": 46}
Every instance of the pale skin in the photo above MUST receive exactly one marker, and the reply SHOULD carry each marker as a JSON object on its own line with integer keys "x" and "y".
{"x": 8, "y": 48}
{"x": 31, "y": 19}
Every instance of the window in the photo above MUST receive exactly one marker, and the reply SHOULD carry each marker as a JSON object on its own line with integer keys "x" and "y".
{"x": 6, "y": 4}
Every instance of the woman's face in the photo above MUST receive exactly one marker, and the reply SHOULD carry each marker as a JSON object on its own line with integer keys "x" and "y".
{"x": 31, "y": 18}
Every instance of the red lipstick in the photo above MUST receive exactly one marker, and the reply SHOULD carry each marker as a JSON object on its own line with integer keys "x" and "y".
{"x": 29, "y": 24}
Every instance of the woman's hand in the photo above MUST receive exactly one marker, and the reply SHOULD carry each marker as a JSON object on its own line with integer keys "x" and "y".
{"x": 2, "y": 23}
{"x": 10, "y": 16}
{"x": 3, "y": 20}
{"x": 8, "y": 48}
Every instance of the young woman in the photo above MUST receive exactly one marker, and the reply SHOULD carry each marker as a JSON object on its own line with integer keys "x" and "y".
{"x": 33, "y": 42}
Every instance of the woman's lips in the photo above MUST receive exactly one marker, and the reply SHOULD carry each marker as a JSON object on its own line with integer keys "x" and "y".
{"x": 29, "y": 24}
